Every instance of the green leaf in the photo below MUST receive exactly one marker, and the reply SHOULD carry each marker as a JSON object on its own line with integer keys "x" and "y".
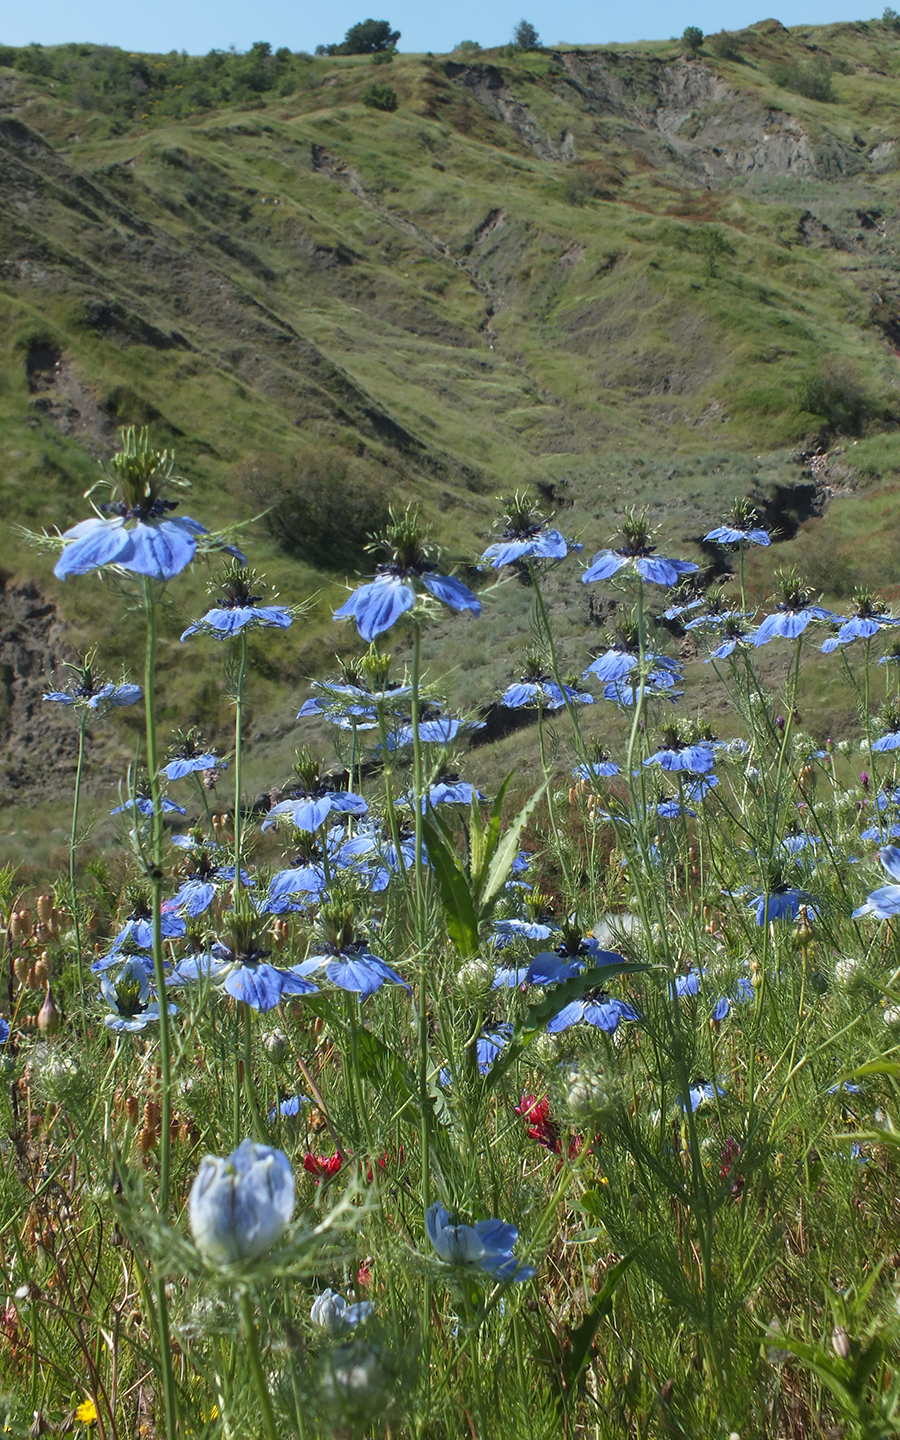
{"x": 453, "y": 892}
{"x": 489, "y": 837}
{"x": 383, "y": 1067}
{"x": 581, "y": 1339}
{"x": 506, "y": 852}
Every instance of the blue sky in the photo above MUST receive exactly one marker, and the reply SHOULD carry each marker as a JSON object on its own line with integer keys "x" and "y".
{"x": 201, "y": 25}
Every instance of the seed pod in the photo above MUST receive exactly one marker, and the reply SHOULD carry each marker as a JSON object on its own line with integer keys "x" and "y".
{"x": 31, "y": 979}
{"x": 49, "y": 1018}
{"x": 41, "y": 972}
{"x": 44, "y": 907}
{"x": 132, "y": 1109}
{"x": 51, "y": 924}
{"x": 20, "y": 925}
{"x": 21, "y": 968}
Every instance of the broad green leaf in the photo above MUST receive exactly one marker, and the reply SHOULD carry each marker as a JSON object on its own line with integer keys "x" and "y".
{"x": 506, "y": 852}
{"x": 581, "y": 1339}
{"x": 453, "y": 891}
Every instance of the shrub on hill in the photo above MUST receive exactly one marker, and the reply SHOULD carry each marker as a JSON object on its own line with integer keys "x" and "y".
{"x": 812, "y": 81}
{"x": 379, "y": 97}
{"x": 321, "y": 509}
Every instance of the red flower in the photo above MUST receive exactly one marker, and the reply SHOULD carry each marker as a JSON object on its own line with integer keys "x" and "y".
{"x": 324, "y": 1167}
{"x": 540, "y": 1125}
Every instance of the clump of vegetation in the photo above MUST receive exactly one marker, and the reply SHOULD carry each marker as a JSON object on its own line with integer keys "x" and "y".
{"x": 813, "y": 80}
{"x": 368, "y": 37}
{"x": 692, "y": 39}
{"x": 834, "y": 394}
{"x": 379, "y": 96}
{"x": 723, "y": 46}
{"x": 525, "y": 37}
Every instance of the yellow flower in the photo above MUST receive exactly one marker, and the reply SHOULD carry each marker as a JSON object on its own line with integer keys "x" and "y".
{"x": 87, "y": 1413}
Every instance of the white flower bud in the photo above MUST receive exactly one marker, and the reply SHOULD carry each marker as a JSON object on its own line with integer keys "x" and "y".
{"x": 239, "y": 1207}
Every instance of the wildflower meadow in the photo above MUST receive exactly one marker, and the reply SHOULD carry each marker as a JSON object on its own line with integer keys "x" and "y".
{"x": 391, "y": 1108}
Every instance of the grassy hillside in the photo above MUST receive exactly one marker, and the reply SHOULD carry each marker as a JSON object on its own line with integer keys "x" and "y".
{"x": 618, "y": 275}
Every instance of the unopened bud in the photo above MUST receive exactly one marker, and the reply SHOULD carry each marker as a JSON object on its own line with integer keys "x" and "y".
{"x": 840, "y": 1342}
{"x": 49, "y": 1018}
{"x": 276, "y": 1045}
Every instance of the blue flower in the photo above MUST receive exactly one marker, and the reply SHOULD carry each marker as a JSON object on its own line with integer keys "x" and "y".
{"x": 793, "y": 613}
{"x": 732, "y": 535}
{"x": 138, "y": 929}
{"x": 781, "y": 904}
{"x": 354, "y": 968}
{"x": 408, "y": 571}
{"x": 128, "y": 997}
{"x": 144, "y": 806}
{"x": 599, "y": 1010}
{"x": 238, "y": 609}
{"x": 154, "y": 546}
{"x": 448, "y": 792}
{"x": 655, "y": 569}
{"x": 309, "y": 812}
{"x": 696, "y": 759}
{"x": 702, "y": 1091}
{"x": 195, "y": 895}
{"x": 619, "y": 661}
{"x": 4, "y": 1030}
{"x": 543, "y": 693}
{"x": 884, "y": 902}
{"x": 432, "y": 732}
{"x": 289, "y": 1109}
{"x": 109, "y": 696}
{"x": 526, "y": 536}
{"x": 658, "y": 685}
{"x": 506, "y": 930}
{"x": 485, "y": 1246}
{"x": 596, "y": 770}
{"x": 870, "y": 617}
{"x": 331, "y": 1312}
{"x": 239, "y": 1207}
{"x": 189, "y": 756}
{"x": 242, "y": 970}
{"x": 379, "y": 605}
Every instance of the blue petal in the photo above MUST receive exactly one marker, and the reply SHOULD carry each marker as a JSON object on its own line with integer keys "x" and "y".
{"x": 161, "y": 550}
{"x": 604, "y": 564}
{"x": 452, "y": 592}
{"x": 663, "y": 572}
{"x": 377, "y": 606}
{"x": 96, "y": 543}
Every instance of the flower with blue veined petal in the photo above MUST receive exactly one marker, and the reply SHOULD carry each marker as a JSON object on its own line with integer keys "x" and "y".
{"x": 742, "y": 529}
{"x": 89, "y": 690}
{"x": 128, "y": 998}
{"x": 289, "y": 1109}
{"x": 240, "y": 1206}
{"x": 885, "y": 901}
{"x": 537, "y": 689}
{"x": 348, "y": 962}
{"x": 527, "y": 536}
{"x": 679, "y": 753}
{"x": 407, "y": 573}
{"x": 794, "y": 611}
{"x": 870, "y": 617}
{"x": 702, "y": 1092}
{"x": 188, "y": 756}
{"x": 889, "y": 722}
{"x": 314, "y": 800}
{"x": 138, "y": 533}
{"x": 485, "y": 1246}
{"x": 331, "y": 1312}
{"x": 237, "y": 608}
{"x": 636, "y": 553}
{"x": 239, "y": 964}
{"x": 597, "y": 1009}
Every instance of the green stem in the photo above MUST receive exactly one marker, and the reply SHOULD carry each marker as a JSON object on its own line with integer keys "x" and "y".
{"x": 238, "y": 732}
{"x": 73, "y": 841}
{"x": 421, "y": 936}
{"x": 155, "y": 873}
{"x": 259, "y": 1375}
{"x": 258, "y": 1132}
